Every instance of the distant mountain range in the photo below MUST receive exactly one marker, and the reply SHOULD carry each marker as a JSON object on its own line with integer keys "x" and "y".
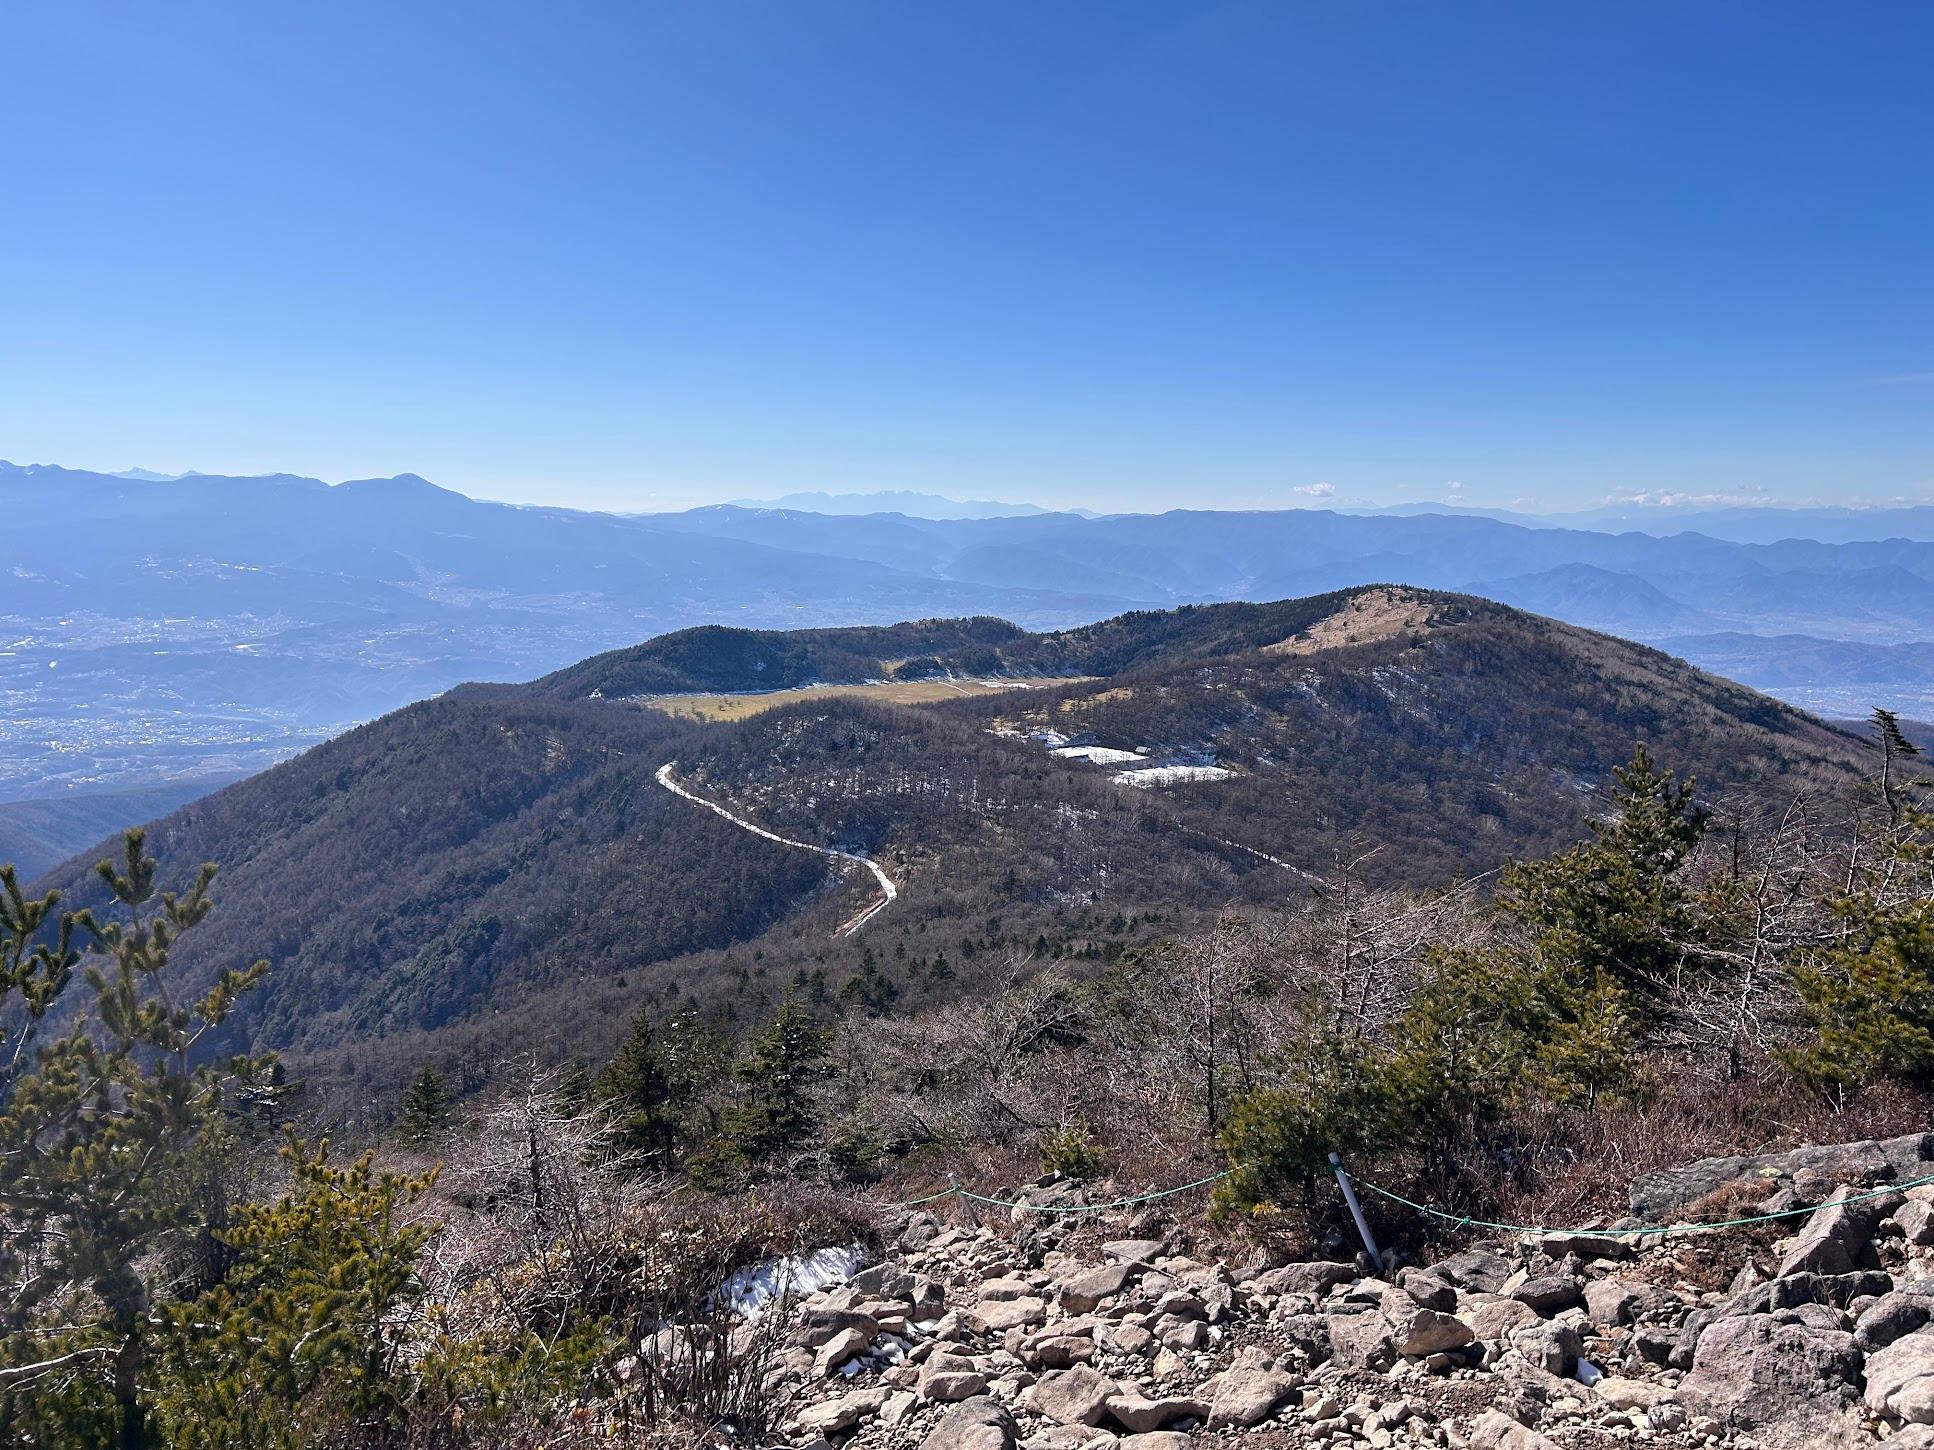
{"x": 521, "y": 877}
{"x": 1739, "y": 523}
{"x": 160, "y": 629}
{"x": 913, "y": 505}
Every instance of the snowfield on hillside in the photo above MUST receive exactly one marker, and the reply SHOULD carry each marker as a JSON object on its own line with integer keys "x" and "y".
{"x": 1156, "y": 775}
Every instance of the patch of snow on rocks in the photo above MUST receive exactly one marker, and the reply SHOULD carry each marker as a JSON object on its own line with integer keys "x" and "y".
{"x": 747, "y": 1291}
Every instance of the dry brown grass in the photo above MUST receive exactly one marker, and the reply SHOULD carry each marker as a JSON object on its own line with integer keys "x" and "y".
{"x": 716, "y": 709}
{"x": 1568, "y": 1167}
{"x": 1372, "y": 615}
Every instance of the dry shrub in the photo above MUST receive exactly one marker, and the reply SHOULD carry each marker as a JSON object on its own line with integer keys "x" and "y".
{"x": 1737, "y": 1199}
{"x": 1571, "y": 1165}
{"x": 715, "y": 1373}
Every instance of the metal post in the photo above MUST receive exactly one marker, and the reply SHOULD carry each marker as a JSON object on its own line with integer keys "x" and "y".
{"x": 1356, "y": 1211}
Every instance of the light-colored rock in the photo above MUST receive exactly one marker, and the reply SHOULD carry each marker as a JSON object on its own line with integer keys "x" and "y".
{"x": 1787, "y": 1385}
{"x": 1425, "y": 1331}
{"x": 1135, "y": 1251}
{"x": 1551, "y": 1346}
{"x": 1584, "y": 1243}
{"x": 1630, "y": 1394}
{"x": 1084, "y": 1293}
{"x": 1916, "y": 1221}
{"x": 1494, "y": 1320}
{"x": 1248, "y": 1391}
{"x": 1077, "y": 1396}
{"x": 1059, "y": 1351}
{"x": 818, "y": 1326}
{"x": 1138, "y": 1414}
{"x": 1493, "y": 1430}
{"x": 1070, "y": 1437}
{"x": 829, "y": 1417}
{"x": 1610, "y": 1303}
{"x": 1890, "y": 1317}
{"x": 945, "y": 1386}
{"x": 1900, "y": 1379}
{"x": 845, "y": 1345}
{"x": 996, "y": 1290}
{"x": 978, "y": 1424}
{"x": 1835, "y": 1240}
{"x": 1362, "y": 1341}
{"x": 1005, "y": 1314}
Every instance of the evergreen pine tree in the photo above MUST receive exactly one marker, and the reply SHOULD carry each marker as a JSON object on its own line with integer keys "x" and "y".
{"x": 639, "y": 1092}
{"x": 426, "y": 1109}
{"x": 1616, "y": 906}
{"x": 94, "y": 1121}
{"x": 777, "y": 1071}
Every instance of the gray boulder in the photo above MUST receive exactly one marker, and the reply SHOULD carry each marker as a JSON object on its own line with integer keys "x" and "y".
{"x": 1077, "y": 1396}
{"x": 1428, "y": 1289}
{"x": 1135, "y": 1412}
{"x": 1900, "y": 1379}
{"x": 1494, "y": 1430}
{"x": 1916, "y": 1221}
{"x": 1475, "y": 1270}
{"x": 1362, "y": 1341}
{"x": 1838, "y": 1238}
{"x": 1424, "y": 1332}
{"x": 1610, "y": 1303}
{"x": 979, "y": 1424}
{"x": 1890, "y": 1317}
{"x": 845, "y": 1345}
{"x": 1548, "y": 1294}
{"x": 1552, "y": 1347}
{"x": 1084, "y": 1293}
{"x": 1656, "y": 1197}
{"x": 1787, "y": 1385}
{"x": 1314, "y": 1279}
{"x": 1248, "y": 1391}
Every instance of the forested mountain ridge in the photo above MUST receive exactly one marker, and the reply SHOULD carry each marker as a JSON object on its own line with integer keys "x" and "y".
{"x": 721, "y": 658}
{"x": 214, "y": 625}
{"x": 499, "y": 869}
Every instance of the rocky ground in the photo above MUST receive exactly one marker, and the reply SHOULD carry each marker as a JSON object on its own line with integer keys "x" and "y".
{"x": 1037, "y": 1330}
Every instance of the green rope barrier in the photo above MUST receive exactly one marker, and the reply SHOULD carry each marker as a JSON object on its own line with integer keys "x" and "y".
{"x": 1464, "y": 1221}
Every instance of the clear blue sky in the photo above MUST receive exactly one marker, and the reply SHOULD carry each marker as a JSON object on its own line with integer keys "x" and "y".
{"x": 1125, "y": 255}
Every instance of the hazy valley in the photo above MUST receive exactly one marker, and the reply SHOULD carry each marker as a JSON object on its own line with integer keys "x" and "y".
{"x": 212, "y": 626}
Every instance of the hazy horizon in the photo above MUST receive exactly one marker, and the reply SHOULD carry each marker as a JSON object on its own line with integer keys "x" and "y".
{"x": 1238, "y": 255}
{"x": 1663, "y": 505}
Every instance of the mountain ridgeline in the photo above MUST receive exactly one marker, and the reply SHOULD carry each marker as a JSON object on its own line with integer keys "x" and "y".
{"x": 718, "y": 658}
{"x": 503, "y": 869}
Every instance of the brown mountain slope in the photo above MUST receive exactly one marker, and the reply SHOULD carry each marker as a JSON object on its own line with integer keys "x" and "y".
{"x": 490, "y": 872}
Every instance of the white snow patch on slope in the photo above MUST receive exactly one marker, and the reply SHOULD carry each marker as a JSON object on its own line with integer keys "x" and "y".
{"x": 749, "y": 1290}
{"x": 1171, "y": 775}
{"x": 1098, "y": 754}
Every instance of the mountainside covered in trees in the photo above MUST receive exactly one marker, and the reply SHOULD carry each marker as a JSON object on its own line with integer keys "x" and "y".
{"x": 501, "y": 868}
{"x": 215, "y": 625}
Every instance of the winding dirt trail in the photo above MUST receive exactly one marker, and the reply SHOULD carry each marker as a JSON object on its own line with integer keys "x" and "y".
{"x": 888, "y": 890}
